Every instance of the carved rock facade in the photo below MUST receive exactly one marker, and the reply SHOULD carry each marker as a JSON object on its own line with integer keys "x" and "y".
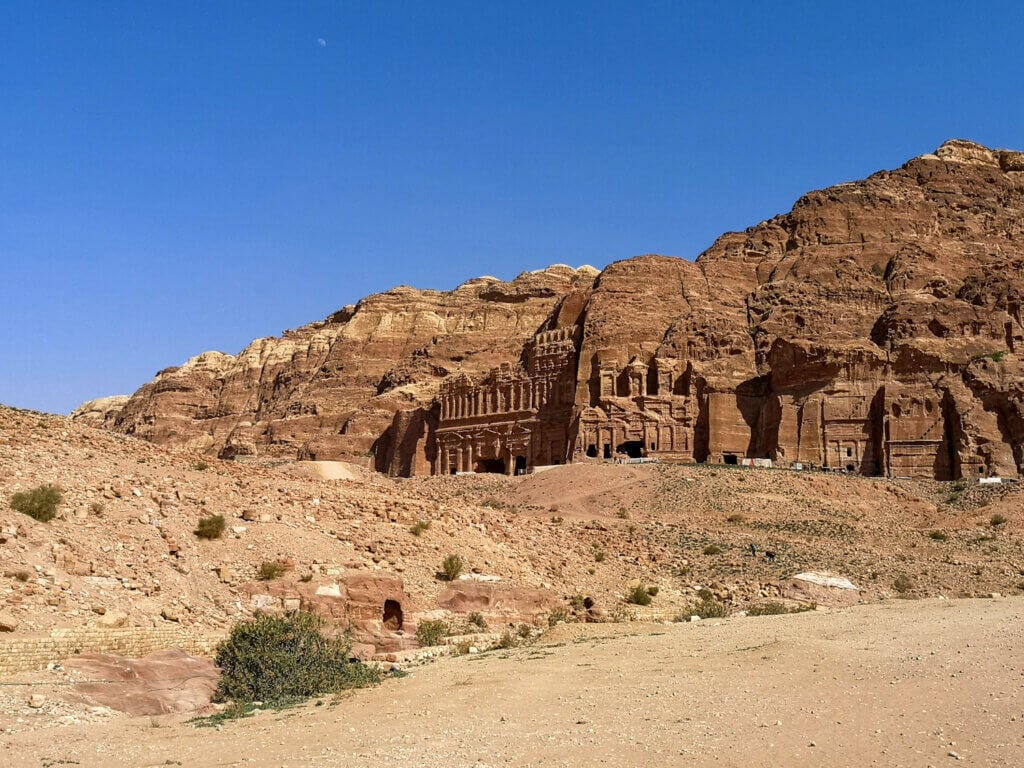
{"x": 875, "y": 328}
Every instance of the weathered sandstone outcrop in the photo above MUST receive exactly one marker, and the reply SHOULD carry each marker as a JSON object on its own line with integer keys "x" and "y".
{"x": 875, "y": 328}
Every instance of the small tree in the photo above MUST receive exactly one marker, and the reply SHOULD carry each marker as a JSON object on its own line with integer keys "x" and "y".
{"x": 452, "y": 567}
{"x": 40, "y": 503}
{"x": 277, "y": 658}
{"x": 211, "y": 527}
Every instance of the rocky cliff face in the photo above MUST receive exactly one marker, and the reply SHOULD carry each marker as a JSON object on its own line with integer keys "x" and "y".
{"x": 332, "y": 388}
{"x": 876, "y": 327}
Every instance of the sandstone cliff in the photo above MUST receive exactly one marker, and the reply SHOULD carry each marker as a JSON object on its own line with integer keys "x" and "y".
{"x": 330, "y": 389}
{"x": 876, "y": 328}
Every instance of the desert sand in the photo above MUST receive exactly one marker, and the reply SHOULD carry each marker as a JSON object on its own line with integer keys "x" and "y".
{"x": 899, "y": 683}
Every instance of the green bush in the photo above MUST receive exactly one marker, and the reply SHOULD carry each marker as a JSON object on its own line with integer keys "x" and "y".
{"x": 599, "y": 556}
{"x": 211, "y": 527}
{"x": 277, "y": 658}
{"x": 477, "y": 620}
{"x": 903, "y": 584}
{"x": 774, "y": 608}
{"x": 40, "y": 503}
{"x": 997, "y": 520}
{"x": 709, "y": 608}
{"x": 419, "y": 527}
{"x": 270, "y": 570}
{"x": 638, "y": 595}
{"x": 431, "y": 632}
{"x": 507, "y": 640}
{"x": 452, "y": 567}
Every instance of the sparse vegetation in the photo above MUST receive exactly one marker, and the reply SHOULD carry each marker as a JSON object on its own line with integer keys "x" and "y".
{"x": 938, "y": 536}
{"x": 270, "y": 570}
{"x": 211, "y": 527}
{"x": 737, "y": 518}
{"x": 622, "y": 514}
{"x": 903, "y": 584}
{"x": 477, "y": 620}
{"x": 275, "y": 659}
{"x": 708, "y": 607}
{"x": 431, "y": 632}
{"x": 200, "y": 466}
{"x": 40, "y": 503}
{"x": 559, "y": 615}
{"x": 22, "y": 575}
{"x": 653, "y": 590}
{"x": 599, "y": 556}
{"x": 507, "y": 640}
{"x": 712, "y": 549}
{"x": 96, "y": 508}
{"x": 638, "y": 595}
{"x": 452, "y": 566}
{"x": 419, "y": 527}
{"x": 996, "y": 520}
{"x": 775, "y": 608}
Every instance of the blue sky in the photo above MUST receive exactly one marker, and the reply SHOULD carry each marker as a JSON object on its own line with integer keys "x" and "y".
{"x": 177, "y": 177}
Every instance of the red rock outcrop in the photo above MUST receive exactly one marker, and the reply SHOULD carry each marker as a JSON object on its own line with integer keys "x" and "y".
{"x": 876, "y": 328}
{"x": 373, "y": 607}
{"x": 331, "y": 389}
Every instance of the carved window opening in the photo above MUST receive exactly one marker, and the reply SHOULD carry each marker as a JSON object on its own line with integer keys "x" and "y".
{"x": 393, "y": 618}
{"x": 592, "y": 451}
{"x": 654, "y": 446}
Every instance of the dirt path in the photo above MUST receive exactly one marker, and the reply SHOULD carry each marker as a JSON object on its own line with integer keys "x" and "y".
{"x": 897, "y": 684}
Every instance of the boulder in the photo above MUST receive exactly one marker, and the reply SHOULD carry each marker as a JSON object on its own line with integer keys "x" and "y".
{"x": 161, "y": 683}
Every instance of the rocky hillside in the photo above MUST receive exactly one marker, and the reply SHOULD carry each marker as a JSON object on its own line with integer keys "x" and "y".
{"x": 123, "y": 546}
{"x": 879, "y": 319}
{"x": 328, "y": 390}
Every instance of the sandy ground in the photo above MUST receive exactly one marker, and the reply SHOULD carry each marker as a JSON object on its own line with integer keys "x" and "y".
{"x": 901, "y": 683}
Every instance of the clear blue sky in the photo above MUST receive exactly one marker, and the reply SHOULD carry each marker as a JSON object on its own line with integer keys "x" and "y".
{"x": 177, "y": 177}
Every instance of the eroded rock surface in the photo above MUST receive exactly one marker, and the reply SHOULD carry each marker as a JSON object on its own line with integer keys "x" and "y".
{"x": 875, "y": 328}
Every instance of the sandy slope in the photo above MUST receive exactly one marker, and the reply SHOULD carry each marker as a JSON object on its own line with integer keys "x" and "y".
{"x": 901, "y": 683}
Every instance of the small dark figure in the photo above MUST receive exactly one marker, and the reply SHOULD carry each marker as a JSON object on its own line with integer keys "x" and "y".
{"x": 753, "y": 550}
{"x": 769, "y": 556}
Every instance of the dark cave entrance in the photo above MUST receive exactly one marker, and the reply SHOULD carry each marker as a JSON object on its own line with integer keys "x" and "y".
{"x": 393, "y": 618}
{"x": 491, "y": 466}
{"x": 632, "y": 448}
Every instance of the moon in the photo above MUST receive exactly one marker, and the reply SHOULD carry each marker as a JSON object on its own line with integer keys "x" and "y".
{"x": 321, "y": 42}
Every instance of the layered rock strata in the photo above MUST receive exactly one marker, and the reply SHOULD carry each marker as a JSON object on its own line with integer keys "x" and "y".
{"x": 875, "y": 328}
